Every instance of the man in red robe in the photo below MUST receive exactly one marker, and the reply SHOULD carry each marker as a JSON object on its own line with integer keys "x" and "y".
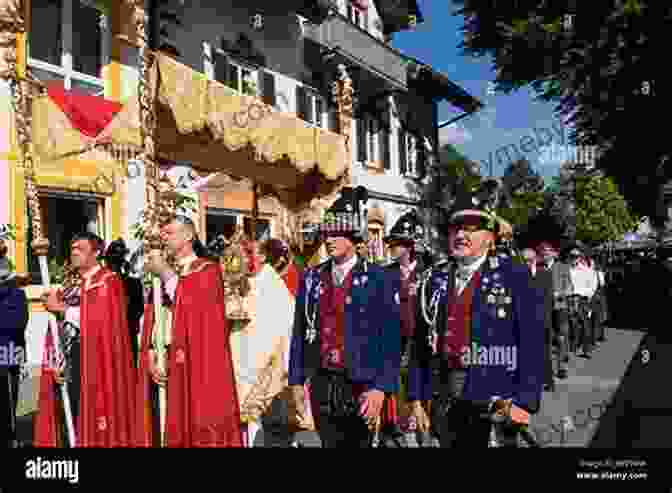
{"x": 97, "y": 356}
{"x": 202, "y": 402}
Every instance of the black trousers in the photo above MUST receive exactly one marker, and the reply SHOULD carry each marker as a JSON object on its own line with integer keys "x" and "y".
{"x": 599, "y": 318}
{"x": 336, "y": 412}
{"x": 9, "y": 391}
{"x": 562, "y": 337}
{"x": 460, "y": 423}
{"x": 580, "y": 325}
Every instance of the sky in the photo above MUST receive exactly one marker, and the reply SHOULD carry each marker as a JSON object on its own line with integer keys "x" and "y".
{"x": 510, "y": 120}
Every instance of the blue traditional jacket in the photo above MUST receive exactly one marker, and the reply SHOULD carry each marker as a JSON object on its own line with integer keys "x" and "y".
{"x": 507, "y": 322}
{"x": 371, "y": 333}
{"x": 13, "y": 315}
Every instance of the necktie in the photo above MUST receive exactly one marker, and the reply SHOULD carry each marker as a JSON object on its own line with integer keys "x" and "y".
{"x": 339, "y": 275}
{"x": 462, "y": 276}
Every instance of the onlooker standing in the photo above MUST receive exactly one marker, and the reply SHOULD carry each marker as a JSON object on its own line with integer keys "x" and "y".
{"x": 562, "y": 288}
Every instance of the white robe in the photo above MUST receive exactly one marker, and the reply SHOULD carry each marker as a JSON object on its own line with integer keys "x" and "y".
{"x": 271, "y": 308}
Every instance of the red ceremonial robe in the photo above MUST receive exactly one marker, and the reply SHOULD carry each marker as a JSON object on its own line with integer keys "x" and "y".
{"x": 203, "y": 408}
{"x": 291, "y": 278}
{"x": 144, "y": 435}
{"x": 106, "y": 414}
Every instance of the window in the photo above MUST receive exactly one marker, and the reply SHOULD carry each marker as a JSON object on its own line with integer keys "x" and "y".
{"x": 408, "y": 154}
{"x": 263, "y": 228}
{"x": 225, "y": 221}
{"x": 236, "y": 75}
{"x": 373, "y": 141}
{"x": 69, "y": 41}
{"x": 358, "y": 16}
{"x": 311, "y": 107}
{"x": 219, "y": 223}
{"x": 63, "y": 216}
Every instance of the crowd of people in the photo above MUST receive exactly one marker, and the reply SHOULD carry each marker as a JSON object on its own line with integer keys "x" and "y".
{"x": 456, "y": 351}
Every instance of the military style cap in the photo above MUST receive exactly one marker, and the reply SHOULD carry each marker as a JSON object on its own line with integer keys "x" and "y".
{"x": 347, "y": 216}
{"x": 408, "y": 229}
{"x": 5, "y": 232}
{"x": 574, "y": 246}
{"x": 481, "y": 202}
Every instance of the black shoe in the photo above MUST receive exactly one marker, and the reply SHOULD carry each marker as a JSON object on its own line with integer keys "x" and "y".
{"x": 587, "y": 355}
{"x": 549, "y": 387}
{"x": 562, "y": 374}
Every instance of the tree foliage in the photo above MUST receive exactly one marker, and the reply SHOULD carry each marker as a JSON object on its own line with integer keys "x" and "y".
{"x": 600, "y": 62}
{"x": 524, "y": 188}
{"x": 451, "y": 174}
{"x": 601, "y": 212}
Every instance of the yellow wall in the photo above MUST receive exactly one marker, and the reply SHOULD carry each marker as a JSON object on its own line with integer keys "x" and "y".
{"x": 71, "y": 175}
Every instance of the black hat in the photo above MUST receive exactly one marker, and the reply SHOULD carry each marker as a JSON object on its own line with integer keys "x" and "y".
{"x": 481, "y": 201}
{"x": 572, "y": 245}
{"x": 407, "y": 229}
{"x": 95, "y": 240}
{"x": 347, "y": 216}
{"x": 5, "y": 232}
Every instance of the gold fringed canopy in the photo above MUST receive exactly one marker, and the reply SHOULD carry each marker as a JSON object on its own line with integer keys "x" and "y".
{"x": 215, "y": 129}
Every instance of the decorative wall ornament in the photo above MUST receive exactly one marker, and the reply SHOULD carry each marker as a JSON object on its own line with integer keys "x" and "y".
{"x": 342, "y": 92}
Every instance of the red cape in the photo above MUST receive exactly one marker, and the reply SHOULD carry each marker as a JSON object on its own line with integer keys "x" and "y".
{"x": 46, "y": 423}
{"x": 144, "y": 418}
{"x": 107, "y": 377}
{"x": 291, "y": 278}
{"x": 203, "y": 408}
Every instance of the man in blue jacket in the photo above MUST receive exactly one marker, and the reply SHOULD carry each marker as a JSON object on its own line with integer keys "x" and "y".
{"x": 479, "y": 347}
{"x": 13, "y": 322}
{"x": 346, "y": 339}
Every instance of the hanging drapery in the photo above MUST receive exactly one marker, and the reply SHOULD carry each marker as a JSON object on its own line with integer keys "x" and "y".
{"x": 205, "y": 123}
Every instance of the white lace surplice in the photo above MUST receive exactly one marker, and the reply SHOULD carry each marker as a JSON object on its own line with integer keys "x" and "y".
{"x": 271, "y": 308}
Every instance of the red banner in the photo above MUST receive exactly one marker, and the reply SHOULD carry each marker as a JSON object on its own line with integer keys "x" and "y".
{"x": 87, "y": 113}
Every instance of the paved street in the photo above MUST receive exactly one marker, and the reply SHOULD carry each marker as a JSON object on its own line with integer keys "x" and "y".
{"x": 614, "y": 374}
{"x": 585, "y": 395}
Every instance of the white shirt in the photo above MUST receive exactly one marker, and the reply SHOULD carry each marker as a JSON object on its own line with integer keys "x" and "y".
{"x": 468, "y": 270}
{"x": 584, "y": 280}
{"x": 406, "y": 271}
{"x": 343, "y": 269}
{"x": 72, "y": 314}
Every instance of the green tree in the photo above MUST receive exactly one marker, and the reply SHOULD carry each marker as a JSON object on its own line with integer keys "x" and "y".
{"x": 451, "y": 174}
{"x": 524, "y": 189}
{"x": 599, "y": 62}
{"x": 602, "y": 214}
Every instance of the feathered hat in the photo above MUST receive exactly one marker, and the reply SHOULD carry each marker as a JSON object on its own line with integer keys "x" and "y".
{"x": 482, "y": 202}
{"x": 5, "y": 232}
{"x": 348, "y": 215}
{"x": 408, "y": 229}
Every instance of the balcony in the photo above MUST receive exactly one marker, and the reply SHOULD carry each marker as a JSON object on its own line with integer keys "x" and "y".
{"x": 356, "y": 46}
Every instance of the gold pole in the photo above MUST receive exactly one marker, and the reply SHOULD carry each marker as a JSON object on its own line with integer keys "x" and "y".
{"x": 255, "y": 210}
{"x": 342, "y": 92}
{"x": 152, "y": 240}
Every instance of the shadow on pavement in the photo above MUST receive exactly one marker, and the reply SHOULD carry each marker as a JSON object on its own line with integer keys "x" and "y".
{"x": 641, "y": 412}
